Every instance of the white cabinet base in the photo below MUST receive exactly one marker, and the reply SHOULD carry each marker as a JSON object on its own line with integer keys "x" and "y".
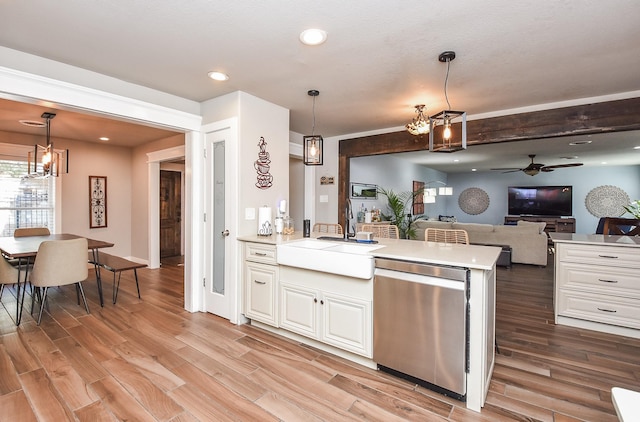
{"x": 317, "y": 344}
{"x": 596, "y": 326}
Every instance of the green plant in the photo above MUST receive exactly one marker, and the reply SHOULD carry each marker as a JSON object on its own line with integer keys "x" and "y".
{"x": 399, "y": 207}
{"x": 633, "y": 208}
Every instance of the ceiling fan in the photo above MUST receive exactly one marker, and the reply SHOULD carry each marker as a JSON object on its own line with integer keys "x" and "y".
{"x": 534, "y": 168}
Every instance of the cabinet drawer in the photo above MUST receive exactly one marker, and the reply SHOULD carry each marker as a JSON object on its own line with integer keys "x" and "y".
{"x": 609, "y": 256}
{"x": 599, "y": 308}
{"x": 260, "y": 252}
{"x": 598, "y": 279}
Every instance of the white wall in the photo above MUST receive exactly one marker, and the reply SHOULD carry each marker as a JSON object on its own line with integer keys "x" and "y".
{"x": 257, "y": 118}
{"x": 296, "y": 192}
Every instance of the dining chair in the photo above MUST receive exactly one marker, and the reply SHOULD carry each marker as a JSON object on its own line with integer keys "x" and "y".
{"x": 31, "y": 231}
{"x": 8, "y": 274}
{"x": 334, "y": 228}
{"x": 60, "y": 263}
{"x": 446, "y": 236}
{"x": 382, "y": 231}
{"x": 621, "y": 226}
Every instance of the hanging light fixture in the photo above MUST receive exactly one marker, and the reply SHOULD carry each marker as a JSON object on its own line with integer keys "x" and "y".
{"x": 420, "y": 124}
{"x": 445, "y": 119}
{"x": 312, "y": 145}
{"x": 50, "y": 158}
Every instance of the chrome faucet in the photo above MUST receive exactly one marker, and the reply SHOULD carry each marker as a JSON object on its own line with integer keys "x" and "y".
{"x": 348, "y": 215}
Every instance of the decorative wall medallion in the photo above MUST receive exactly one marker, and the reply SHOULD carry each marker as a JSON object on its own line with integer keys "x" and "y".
{"x": 606, "y": 201}
{"x": 265, "y": 179}
{"x": 473, "y": 201}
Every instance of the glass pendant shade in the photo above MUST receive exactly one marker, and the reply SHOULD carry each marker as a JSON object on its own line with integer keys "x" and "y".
{"x": 312, "y": 150}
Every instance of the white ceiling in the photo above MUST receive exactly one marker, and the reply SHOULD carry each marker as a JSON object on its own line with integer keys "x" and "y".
{"x": 380, "y": 58}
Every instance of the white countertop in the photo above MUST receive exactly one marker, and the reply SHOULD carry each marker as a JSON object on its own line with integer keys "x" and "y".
{"x": 626, "y": 403}
{"x": 469, "y": 256}
{"x": 596, "y": 239}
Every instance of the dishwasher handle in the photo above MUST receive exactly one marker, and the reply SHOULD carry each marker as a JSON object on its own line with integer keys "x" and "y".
{"x": 421, "y": 268}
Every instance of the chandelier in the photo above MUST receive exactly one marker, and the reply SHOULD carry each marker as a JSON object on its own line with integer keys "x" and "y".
{"x": 420, "y": 124}
{"x": 51, "y": 159}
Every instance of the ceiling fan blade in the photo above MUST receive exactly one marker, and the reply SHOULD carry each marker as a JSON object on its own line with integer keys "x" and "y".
{"x": 512, "y": 170}
{"x": 559, "y": 166}
{"x": 507, "y": 168}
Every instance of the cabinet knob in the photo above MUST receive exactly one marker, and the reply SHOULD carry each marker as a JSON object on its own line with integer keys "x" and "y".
{"x": 322, "y": 302}
{"x": 315, "y": 300}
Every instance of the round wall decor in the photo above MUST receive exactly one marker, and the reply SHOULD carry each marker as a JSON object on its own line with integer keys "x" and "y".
{"x": 473, "y": 201}
{"x": 606, "y": 201}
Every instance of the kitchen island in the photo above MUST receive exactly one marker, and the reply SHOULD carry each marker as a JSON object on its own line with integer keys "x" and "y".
{"x": 326, "y": 309}
{"x": 596, "y": 282}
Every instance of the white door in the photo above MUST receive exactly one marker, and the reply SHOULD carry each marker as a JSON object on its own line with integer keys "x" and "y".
{"x": 219, "y": 285}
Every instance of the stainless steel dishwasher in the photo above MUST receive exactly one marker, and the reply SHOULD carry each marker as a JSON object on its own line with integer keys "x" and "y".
{"x": 420, "y": 323}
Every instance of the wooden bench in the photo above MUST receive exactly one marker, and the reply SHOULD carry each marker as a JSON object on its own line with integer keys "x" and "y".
{"x": 117, "y": 265}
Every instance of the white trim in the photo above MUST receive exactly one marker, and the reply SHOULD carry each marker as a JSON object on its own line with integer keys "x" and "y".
{"x": 25, "y": 87}
{"x": 154, "y": 159}
{"x": 295, "y": 150}
{"x": 167, "y": 154}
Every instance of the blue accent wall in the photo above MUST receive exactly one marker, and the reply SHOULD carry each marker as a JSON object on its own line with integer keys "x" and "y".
{"x": 583, "y": 180}
{"x": 398, "y": 174}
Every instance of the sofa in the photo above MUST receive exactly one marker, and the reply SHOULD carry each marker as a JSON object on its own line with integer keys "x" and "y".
{"x": 528, "y": 240}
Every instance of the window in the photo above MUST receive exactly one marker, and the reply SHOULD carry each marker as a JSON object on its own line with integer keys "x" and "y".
{"x": 25, "y": 201}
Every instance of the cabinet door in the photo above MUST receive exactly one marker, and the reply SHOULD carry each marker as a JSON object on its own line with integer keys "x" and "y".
{"x": 260, "y": 284}
{"x": 346, "y": 323}
{"x": 299, "y": 310}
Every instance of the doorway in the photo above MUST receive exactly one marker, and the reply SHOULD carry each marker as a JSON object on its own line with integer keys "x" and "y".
{"x": 170, "y": 214}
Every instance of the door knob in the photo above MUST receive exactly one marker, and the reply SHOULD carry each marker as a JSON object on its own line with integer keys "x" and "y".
{"x": 225, "y": 233}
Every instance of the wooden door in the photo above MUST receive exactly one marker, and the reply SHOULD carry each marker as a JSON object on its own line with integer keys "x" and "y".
{"x": 170, "y": 216}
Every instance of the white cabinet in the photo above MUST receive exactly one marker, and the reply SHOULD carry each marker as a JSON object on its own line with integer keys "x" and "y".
{"x": 261, "y": 283}
{"x": 597, "y": 283}
{"x": 310, "y": 305}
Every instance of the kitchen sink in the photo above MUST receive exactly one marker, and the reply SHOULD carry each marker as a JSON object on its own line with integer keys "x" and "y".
{"x": 349, "y": 259}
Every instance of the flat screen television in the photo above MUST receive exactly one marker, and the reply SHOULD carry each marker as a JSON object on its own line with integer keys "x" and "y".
{"x": 540, "y": 200}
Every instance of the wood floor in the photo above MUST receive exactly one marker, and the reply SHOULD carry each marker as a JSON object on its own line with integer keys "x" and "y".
{"x": 149, "y": 360}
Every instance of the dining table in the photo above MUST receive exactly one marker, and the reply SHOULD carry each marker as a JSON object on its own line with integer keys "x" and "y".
{"x": 25, "y": 249}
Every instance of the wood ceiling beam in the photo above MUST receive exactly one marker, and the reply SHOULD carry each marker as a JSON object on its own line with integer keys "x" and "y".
{"x": 586, "y": 119}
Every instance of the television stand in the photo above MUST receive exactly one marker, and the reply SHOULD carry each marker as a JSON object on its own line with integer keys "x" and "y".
{"x": 554, "y": 224}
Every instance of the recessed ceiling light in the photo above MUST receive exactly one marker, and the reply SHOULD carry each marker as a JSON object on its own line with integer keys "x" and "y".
{"x": 32, "y": 123}
{"x": 456, "y": 160}
{"x": 604, "y": 162}
{"x": 313, "y": 36}
{"x": 218, "y": 76}
{"x": 580, "y": 142}
{"x": 103, "y": 138}
{"x": 569, "y": 157}
{"x": 474, "y": 169}
{"x": 638, "y": 147}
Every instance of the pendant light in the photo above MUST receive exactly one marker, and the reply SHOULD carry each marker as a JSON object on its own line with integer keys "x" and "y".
{"x": 445, "y": 120}
{"x": 50, "y": 158}
{"x": 312, "y": 144}
{"x": 419, "y": 125}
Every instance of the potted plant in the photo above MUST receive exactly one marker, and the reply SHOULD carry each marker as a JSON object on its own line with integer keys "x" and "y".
{"x": 399, "y": 207}
{"x": 633, "y": 208}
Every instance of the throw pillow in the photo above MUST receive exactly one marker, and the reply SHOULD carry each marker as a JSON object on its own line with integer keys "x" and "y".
{"x": 448, "y": 218}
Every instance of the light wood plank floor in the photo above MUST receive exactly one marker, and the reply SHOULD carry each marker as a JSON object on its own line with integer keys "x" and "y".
{"x": 149, "y": 360}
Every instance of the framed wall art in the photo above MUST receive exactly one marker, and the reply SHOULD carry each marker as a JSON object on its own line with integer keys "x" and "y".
{"x": 97, "y": 202}
{"x": 418, "y": 205}
{"x": 364, "y": 191}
